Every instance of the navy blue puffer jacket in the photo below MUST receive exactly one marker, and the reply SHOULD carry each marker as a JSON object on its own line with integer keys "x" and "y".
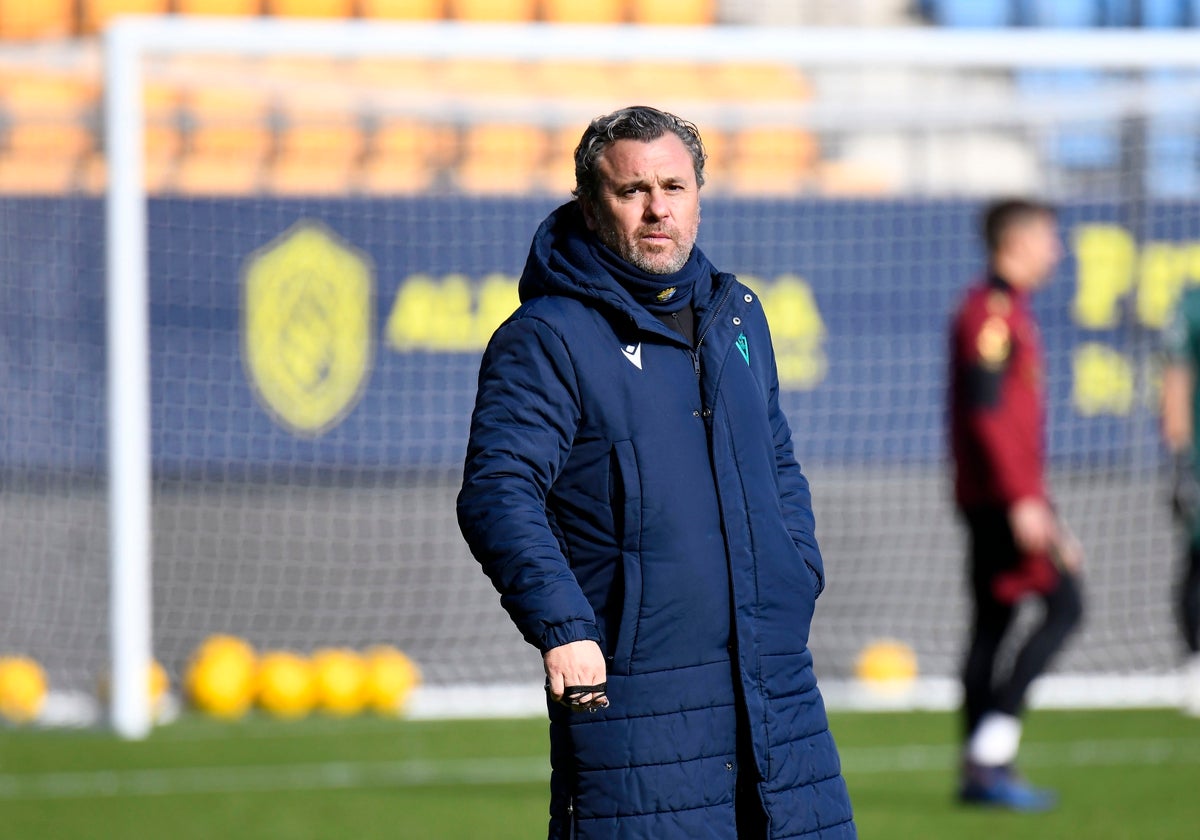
{"x": 622, "y": 487}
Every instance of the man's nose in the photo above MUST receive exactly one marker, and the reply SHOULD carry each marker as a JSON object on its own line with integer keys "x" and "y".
{"x": 656, "y": 204}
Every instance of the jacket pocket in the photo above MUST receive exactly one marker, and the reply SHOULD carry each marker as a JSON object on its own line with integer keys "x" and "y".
{"x": 627, "y": 517}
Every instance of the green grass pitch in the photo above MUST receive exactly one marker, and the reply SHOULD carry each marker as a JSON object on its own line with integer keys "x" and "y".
{"x": 1129, "y": 774}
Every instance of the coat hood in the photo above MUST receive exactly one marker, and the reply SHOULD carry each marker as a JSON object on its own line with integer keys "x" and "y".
{"x": 563, "y": 262}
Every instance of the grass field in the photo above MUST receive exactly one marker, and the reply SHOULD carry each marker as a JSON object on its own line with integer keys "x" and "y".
{"x": 1133, "y": 774}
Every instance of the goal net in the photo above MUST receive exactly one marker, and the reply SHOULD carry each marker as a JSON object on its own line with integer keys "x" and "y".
{"x": 312, "y": 229}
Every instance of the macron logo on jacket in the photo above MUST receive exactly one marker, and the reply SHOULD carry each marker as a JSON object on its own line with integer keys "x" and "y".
{"x": 633, "y": 352}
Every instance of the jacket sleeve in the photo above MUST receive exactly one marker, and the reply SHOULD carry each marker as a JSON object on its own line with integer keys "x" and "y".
{"x": 525, "y": 418}
{"x": 794, "y": 495}
{"x": 985, "y": 354}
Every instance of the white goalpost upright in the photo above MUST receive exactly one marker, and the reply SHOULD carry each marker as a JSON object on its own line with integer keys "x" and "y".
{"x": 923, "y": 531}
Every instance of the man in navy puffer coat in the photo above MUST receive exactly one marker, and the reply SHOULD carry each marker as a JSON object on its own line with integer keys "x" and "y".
{"x": 631, "y": 490}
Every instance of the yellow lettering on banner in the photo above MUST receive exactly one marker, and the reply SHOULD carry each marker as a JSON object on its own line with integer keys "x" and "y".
{"x": 444, "y": 316}
{"x": 797, "y": 331}
{"x": 1165, "y": 269}
{"x": 497, "y": 300}
{"x": 1102, "y": 380}
{"x": 1106, "y": 256}
{"x": 451, "y": 315}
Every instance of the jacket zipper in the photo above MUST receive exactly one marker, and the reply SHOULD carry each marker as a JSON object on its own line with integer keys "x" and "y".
{"x": 700, "y": 340}
{"x": 571, "y": 818}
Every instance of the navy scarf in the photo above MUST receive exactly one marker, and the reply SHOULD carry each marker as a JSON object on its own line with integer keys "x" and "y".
{"x": 661, "y": 294}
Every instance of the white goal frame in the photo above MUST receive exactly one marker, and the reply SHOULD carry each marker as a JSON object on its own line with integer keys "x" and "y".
{"x": 129, "y": 39}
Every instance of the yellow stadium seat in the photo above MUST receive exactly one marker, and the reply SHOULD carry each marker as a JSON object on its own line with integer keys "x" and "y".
{"x": 758, "y": 81}
{"x": 501, "y": 158}
{"x": 94, "y": 15}
{"x": 581, "y": 80}
{"x": 49, "y": 138}
{"x": 556, "y": 175}
{"x": 402, "y": 9}
{"x": 405, "y": 156}
{"x": 673, "y": 12}
{"x": 584, "y": 11}
{"x": 94, "y": 175}
{"x": 37, "y": 173}
{"x": 310, "y": 8}
{"x": 45, "y": 94}
{"x": 843, "y": 179}
{"x": 400, "y": 139}
{"x": 512, "y": 11}
{"x": 392, "y": 176}
{"x": 771, "y": 160}
{"x": 25, "y": 20}
{"x": 211, "y": 175}
{"x": 231, "y": 8}
{"x": 225, "y": 121}
{"x": 309, "y": 176}
{"x": 665, "y": 83}
{"x": 476, "y": 77}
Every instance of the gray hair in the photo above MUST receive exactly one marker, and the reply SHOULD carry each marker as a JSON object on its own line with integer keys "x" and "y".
{"x": 637, "y": 122}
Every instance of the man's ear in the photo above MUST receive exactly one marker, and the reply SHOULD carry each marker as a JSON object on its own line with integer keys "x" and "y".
{"x": 589, "y": 213}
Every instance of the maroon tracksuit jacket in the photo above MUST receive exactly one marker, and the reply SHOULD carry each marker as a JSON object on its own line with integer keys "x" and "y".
{"x": 997, "y": 416}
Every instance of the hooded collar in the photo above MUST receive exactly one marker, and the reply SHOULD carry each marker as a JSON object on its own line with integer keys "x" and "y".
{"x": 563, "y": 261}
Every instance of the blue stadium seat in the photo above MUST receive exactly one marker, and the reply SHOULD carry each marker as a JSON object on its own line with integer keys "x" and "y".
{"x": 1076, "y": 147}
{"x": 1164, "y": 14}
{"x": 1173, "y": 144}
{"x": 969, "y": 13}
{"x": 1062, "y": 13}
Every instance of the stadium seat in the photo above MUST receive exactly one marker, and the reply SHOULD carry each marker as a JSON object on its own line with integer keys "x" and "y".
{"x": 770, "y": 160}
{"x": 316, "y": 155}
{"x": 758, "y": 81}
{"x": 501, "y": 158}
{"x": 1172, "y": 141}
{"x": 485, "y": 77}
{"x": 556, "y": 175}
{"x": 309, "y": 8}
{"x": 580, "y": 80}
{"x": 23, "y": 20}
{"x": 672, "y": 12}
{"x": 584, "y": 11}
{"x": 665, "y": 83}
{"x": 511, "y": 11}
{"x": 405, "y": 156}
{"x": 37, "y": 173}
{"x": 1080, "y": 146}
{"x": 1164, "y": 14}
{"x": 157, "y": 171}
{"x": 402, "y": 9}
{"x": 216, "y": 175}
{"x": 1063, "y": 13}
{"x": 228, "y": 8}
{"x": 94, "y": 15}
{"x": 970, "y": 13}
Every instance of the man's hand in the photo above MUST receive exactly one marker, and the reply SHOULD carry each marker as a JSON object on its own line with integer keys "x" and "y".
{"x": 576, "y": 665}
{"x": 1068, "y": 550}
{"x": 1034, "y": 526}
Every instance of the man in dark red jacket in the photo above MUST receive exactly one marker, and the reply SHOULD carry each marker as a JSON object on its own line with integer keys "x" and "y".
{"x": 1019, "y": 547}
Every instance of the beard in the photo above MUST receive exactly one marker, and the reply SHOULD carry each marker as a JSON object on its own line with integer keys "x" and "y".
{"x": 652, "y": 259}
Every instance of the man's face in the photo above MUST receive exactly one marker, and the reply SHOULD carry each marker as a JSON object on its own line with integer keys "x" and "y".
{"x": 1037, "y": 243}
{"x": 648, "y": 210}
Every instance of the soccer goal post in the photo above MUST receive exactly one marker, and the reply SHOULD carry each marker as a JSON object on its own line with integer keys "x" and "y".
{"x": 290, "y": 364}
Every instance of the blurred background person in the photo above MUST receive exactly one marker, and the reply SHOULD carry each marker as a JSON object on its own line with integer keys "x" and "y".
{"x": 1181, "y": 345}
{"x": 1019, "y": 547}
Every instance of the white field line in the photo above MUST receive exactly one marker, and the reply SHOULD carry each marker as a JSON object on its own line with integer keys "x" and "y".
{"x": 488, "y": 771}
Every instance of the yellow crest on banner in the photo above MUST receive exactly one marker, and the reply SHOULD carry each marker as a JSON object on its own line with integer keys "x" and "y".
{"x": 307, "y": 327}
